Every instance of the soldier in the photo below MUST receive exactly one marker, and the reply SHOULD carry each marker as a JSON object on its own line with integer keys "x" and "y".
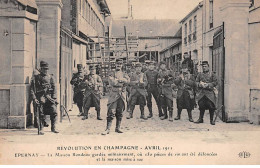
{"x": 77, "y": 78}
{"x": 152, "y": 89}
{"x": 116, "y": 104}
{"x": 138, "y": 93}
{"x": 93, "y": 90}
{"x": 130, "y": 72}
{"x": 165, "y": 80}
{"x": 206, "y": 82}
{"x": 188, "y": 62}
{"x": 185, "y": 94}
{"x": 43, "y": 92}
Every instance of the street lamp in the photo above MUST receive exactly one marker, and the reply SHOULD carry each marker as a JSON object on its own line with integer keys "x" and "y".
{"x": 151, "y": 31}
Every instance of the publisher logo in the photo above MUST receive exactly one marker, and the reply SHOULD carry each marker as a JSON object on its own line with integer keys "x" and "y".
{"x": 244, "y": 154}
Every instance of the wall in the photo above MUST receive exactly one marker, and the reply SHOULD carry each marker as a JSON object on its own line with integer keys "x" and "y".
{"x": 18, "y": 54}
{"x": 254, "y": 62}
{"x": 195, "y": 46}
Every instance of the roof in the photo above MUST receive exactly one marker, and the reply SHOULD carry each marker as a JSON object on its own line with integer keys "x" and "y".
{"x": 193, "y": 11}
{"x": 145, "y": 28}
{"x": 174, "y": 44}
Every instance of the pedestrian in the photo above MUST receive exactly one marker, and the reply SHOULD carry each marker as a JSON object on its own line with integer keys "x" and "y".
{"x": 116, "y": 98}
{"x": 186, "y": 85}
{"x": 165, "y": 80}
{"x": 152, "y": 88}
{"x": 93, "y": 91}
{"x": 138, "y": 92}
{"x": 188, "y": 62}
{"x": 43, "y": 92}
{"x": 206, "y": 83}
{"x": 78, "y": 95}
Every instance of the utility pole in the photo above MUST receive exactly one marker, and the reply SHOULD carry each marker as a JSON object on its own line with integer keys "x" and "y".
{"x": 126, "y": 44}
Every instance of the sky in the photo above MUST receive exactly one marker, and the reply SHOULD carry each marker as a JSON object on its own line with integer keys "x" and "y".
{"x": 151, "y": 9}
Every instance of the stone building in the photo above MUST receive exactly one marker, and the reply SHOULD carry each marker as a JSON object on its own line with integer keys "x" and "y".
{"x": 55, "y": 31}
{"x": 228, "y": 39}
{"x": 151, "y": 36}
{"x": 192, "y": 32}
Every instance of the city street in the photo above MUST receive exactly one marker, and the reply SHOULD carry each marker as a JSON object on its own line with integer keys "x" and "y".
{"x": 134, "y": 127}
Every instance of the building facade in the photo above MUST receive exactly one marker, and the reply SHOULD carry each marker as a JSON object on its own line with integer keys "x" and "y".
{"x": 54, "y": 31}
{"x": 192, "y": 34}
{"x": 227, "y": 36}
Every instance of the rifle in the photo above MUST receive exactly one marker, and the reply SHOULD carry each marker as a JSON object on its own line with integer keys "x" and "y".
{"x": 56, "y": 103}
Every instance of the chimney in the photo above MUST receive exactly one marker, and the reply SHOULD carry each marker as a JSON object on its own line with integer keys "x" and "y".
{"x": 129, "y": 9}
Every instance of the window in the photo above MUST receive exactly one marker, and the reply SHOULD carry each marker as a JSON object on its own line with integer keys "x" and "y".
{"x": 195, "y": 28}
{"x": 210, "y": 13}
{"x": 185, "y": 32}
{"x": 190, "y": 26}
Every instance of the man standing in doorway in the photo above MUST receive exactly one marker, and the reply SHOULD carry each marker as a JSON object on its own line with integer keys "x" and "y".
{"x": 92, "y": 95}
{"x": 206, "y": 83}
{"x": 76, "y": 80}
{"x": 116, "y": 98}
{"x": 152, "y": 89}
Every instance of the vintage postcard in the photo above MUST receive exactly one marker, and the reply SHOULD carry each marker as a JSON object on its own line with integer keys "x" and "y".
{"x": 129, "y": 82}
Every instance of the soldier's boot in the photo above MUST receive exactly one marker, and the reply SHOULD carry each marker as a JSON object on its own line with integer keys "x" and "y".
{"x": 53, "y": 125}
{"x": 200, "y": 120}
{"x": 211, "y": 113}
{"x": 190, "y": 115}
{"x": 80, "y": 113}
{"x": 118, "y": 123}
{"x": 142, "y": 115}
{"x": 41, "y": 132}
{"x": 98, "y": 115}
{"x": 165, "y": 116}
{"x": 150, "y": 113}
{"x": 130, "y": 114}
{"x": 178, "y": 115}
{"x": 170, "y": 116}
{"x": 160, "y": 112}
{"x": 85, "y": 115}
{"x": 109, "y": 123}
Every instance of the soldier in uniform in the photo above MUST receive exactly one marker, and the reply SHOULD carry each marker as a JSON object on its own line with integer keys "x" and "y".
{"x": 43, "y": 92}
{"x": 188, "y": 62}
{"x": 93, "y": 90}
{"x": 138, "y": 93}
{"x": 165, "y": 80}
{"x": 130, "y": 72}
{"x": 116, "y": 97}
{"x": 206, "y": 82}
{"x": 77, "y": 78}
{"x": 186, "y": 85}
{"x": 152, "y": 89}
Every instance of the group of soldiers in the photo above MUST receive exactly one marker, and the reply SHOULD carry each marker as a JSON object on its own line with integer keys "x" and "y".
{"x": 136, "y": 85}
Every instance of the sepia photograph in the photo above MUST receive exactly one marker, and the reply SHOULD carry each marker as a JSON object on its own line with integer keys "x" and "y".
{"x": 129, "y": 82}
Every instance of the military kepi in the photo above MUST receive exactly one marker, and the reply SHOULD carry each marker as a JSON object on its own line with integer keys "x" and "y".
{"x": 91, "y": 67}
{"x": 44, "y": 65}
{"x": 119, "y": 61}
{"x": 79, "y": 66}
{"x": 138, "y": 64}
{"x": 205, "y": 63}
